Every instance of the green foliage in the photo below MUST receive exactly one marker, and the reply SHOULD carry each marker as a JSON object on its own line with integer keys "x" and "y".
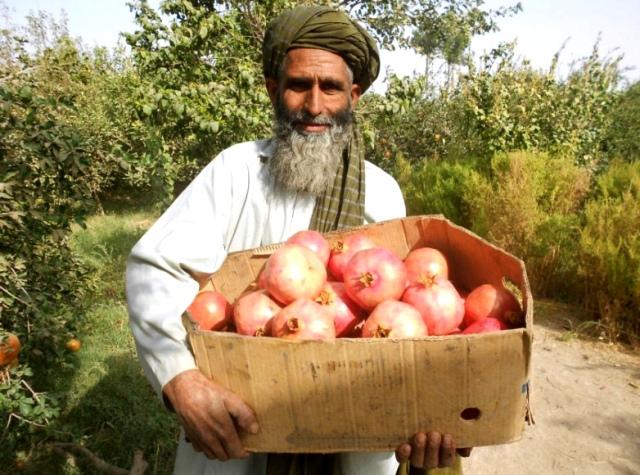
{"x": 529, "y": 205}
{"x": 45, "y": 187}
{"x": 624, "y": 128}
{"x": 519, "y": 108}
{"x": 610, "y": 250}
{"x": 195, "y": 96}
{"x": 438, "y": 187}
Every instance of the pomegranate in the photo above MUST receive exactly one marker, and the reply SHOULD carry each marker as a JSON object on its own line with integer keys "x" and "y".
{"x": 394, "y": 319}
{"x": 344, "y": 311}
{"x": 491, "y": 301}
{"x": 343, "y": 250}
{"x": 73, "y": 345}
{"x": 210, "y": 310}
{"x": 315, "y": 242}
{"x": 425, "y": 262}
{"x": 303, "y": 319}
{"x": 252, "y": 312}
{"x": 294, "y": 272}
{"x": 9, "y": 348}
{"x": 438, "y": 302}
{"x": 373, "y": 276}
{"x": 262, "y": 279}
{"x": 485, "y": 325}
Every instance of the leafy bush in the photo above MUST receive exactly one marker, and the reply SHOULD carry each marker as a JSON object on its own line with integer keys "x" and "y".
{"x": 610, "y": 250}
{"x": 624, "y": 128}
{"x": 529, "y": 205}
{"x": 438, "y": 187}
{"x": 511, "y": 106}
{"x": 45, "y": 187}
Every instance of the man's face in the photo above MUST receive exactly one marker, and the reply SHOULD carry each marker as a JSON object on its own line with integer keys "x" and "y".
{"x": 313, "y": 101}
{"x": 314, "y": 83}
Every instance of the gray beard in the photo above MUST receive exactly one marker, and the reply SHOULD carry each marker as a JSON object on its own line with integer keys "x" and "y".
{"x": 308, "y": 162}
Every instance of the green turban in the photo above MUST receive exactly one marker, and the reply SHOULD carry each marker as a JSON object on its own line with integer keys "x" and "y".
{"x": 323, "y": 28}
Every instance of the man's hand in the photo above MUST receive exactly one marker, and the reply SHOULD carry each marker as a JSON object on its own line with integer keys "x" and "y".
{"x": 211, "y": 415}
{"x": 431, "y": 450}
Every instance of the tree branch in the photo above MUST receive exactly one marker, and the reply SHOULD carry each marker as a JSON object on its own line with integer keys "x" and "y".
{"x": 138, "y": 468}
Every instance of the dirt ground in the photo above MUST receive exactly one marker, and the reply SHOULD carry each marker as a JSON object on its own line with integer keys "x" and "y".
{"x": 586, "y": 404}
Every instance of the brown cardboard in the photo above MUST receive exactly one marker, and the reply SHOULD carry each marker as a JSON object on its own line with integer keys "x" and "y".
{"x": 374, "y": 394}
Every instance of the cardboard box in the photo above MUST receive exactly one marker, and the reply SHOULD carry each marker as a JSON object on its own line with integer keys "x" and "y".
{"x": 374, "y": 394}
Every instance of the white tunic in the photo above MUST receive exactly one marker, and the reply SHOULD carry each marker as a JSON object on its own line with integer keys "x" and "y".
{"x": 230, "y": 206}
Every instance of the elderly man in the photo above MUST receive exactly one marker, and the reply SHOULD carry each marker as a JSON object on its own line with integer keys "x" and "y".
{"x": 310, "y": 175}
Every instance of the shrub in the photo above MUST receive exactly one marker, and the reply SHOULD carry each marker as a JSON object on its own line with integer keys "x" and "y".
{"x": 438, "y": 187}
{"x": 610, "y": 250}
{"x": 529, "y": 205}
{"x": 624, "y": 128}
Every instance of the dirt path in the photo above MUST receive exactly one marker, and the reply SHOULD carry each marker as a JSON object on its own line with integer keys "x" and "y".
{"x": 586, "y": 402}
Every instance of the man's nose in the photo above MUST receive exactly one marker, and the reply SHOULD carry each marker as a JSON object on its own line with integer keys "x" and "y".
{"x": 313, "y": 103}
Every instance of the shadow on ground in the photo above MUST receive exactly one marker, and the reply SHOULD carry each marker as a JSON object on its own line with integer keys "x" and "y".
{"x": 118, "y": 415}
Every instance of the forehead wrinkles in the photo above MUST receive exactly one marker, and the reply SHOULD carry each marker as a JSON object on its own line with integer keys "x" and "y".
{"x": 300, "y": 71}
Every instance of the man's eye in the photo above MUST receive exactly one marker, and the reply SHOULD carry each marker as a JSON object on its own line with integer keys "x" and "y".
{"x": 298, "y": 86}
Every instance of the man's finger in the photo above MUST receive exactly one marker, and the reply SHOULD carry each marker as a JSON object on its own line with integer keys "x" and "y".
{"x": 447, "y": 451}
{"x": 403, "y": 452}
{"x": 242, "y": 414}
{"x": 464, "y": 452}
{"x": 214, "y": 450}
{"x": 418, "y": 450}
{"x": 432, "y": 455}
{"x": 228, "y": 434}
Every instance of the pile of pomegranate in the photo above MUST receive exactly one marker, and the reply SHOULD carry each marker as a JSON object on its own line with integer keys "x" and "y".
{"x": 308, "y": 290}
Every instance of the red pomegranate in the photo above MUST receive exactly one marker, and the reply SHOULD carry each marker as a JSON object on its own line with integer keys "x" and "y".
{"x": 314, "y": 241}
{"x": 252, "y": 312}
{"x": 394, "y": 319}
{"x": 294, "y": 272}
{"x": 485, "y": 326}
{"x": 425, "y": 262}
{"x": 210, "y": 310}
{"x": 303, "y": 320}
{"x": 343, "y": 250}
{"x": 438, "y": 302}
{"x": 491, "y": 301}
{"x": 373, "y": 276}
{"x": 346, "y": 314}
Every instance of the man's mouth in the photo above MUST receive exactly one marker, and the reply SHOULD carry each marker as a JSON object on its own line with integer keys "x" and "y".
{"x": 311, "y": 128}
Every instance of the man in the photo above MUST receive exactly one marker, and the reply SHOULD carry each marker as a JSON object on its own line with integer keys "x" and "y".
{"x": 312, "y": 174}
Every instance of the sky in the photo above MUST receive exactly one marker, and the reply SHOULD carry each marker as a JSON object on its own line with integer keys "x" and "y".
{"x": 540, "y": 29}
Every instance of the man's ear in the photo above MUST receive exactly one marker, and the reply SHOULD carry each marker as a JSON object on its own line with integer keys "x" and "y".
{"x": 356, "y": 92}
{"x": 272, "y": 89}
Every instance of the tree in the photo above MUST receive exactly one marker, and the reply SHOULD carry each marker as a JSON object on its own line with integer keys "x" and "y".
{"x": 445, "y": 28}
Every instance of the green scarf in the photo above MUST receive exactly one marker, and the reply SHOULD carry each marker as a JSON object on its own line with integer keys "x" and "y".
{"x": 342, "y": 205}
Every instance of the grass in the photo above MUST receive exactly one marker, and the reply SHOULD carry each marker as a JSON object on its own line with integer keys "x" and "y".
{"x": 109, "y": 407}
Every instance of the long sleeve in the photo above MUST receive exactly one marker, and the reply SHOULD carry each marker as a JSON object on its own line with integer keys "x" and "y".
{"x": 189, "y": 237}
